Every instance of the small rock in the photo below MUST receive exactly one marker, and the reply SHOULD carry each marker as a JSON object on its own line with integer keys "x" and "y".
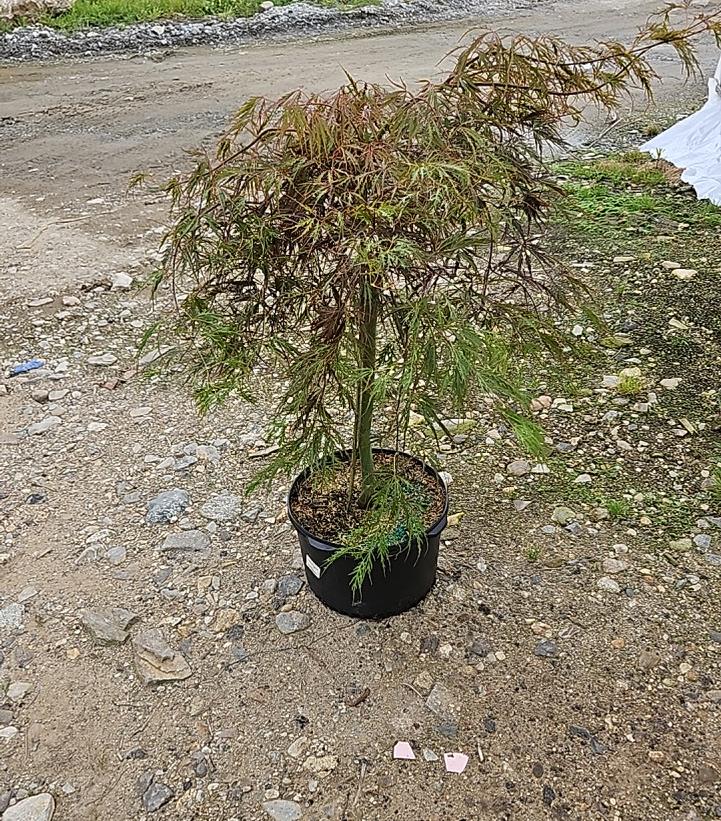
{"x": 295, "y": 750}
{"x": 563, "y": 515}
{"x": 11, "y": 616}
{"x": 18, "y": 690}
{"x": 702, "y": 541}
{"x": 44, "y": 425}
{"x": 685, "y": 273}
{"x": 669, "y": 265}
{"x": 546, "y": 648}
{"x": 321, "y": 765}
{"x": 647, "y": 660}
{"x": 156, "y": 661}
{"x": 292, "y": 622}
{"x": 281, "y": 810}
{"x": 39, "y": 807}
{"x": 670, "y": 384}
{"x": 608, "y": 585}
{"x": 289, "y": 585}
{"x": 167, "y": 506}
{"x": 582, "y": 479}
{"x": 429, "y": 755}
{"x": 614, "y": 566}
{"x": 681, "y": 545}
{"x": 120, "y": 281}
{"x": 518, "y": 468}
{"x": 223, "y": 507}
{"x": 102, "y": 360}
{"x": 423, "y": 682}
{"x": 441, "y": 701}
{"x": 188, "y": 542}
{"x": 116, "y": 555}
{"x": 108, "y": 625}
{"x": 656, "y": 756}
{"x": 156, "y": 796}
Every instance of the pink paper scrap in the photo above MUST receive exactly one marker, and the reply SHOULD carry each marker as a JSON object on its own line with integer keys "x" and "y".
{"x": 403, "y": 750}
{"x": 455, "y": 762}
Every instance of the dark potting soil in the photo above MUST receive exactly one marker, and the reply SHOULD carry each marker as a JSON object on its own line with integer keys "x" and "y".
{"x": 321, "y": 502}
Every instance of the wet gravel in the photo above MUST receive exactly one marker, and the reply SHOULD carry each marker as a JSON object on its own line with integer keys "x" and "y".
{"x": 41, "y": 42}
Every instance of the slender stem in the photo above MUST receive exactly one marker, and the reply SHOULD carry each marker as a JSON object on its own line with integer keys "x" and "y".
{"x": 367, "y": 339}
{"x": 354, "y": 447}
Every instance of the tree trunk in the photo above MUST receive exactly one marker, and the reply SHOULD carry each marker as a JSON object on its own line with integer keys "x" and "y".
{"x": 367, "y": 337}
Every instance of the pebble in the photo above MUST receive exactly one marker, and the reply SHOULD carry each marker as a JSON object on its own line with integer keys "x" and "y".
{"x": 546, "y": 649}
{"x": 102, "y": 360}
{"x": 614, "y": 566}
{"x": 188, "y": 542}
{"x": 608, "y": 585}
{"x": 223, "y": 507}
{"x": 518, "y": 468}
{"x": 289, "y": 585}
{"x": 563, "y": 515}
{"x": 116, "y": 555}
{"x": 423, "y": 682}
{"x": 156, "y": 661}
{"x": 441, "y": 701}
{"x": 281, "y": 810}
{"x": 120, "y": 281}
{"x": 292, "y": 621}
{"x": 44, "y": 425}
{"x": 18, "y": 690}
{"x": 11, "y": 616}
{"x": 156, "y": 796}
{"x": 647, "y": 660}
{"x": 702, "y": 541}
{"x": 321, "y": 765}
{"x": 108, "y": 625}
{"x": 39, "y": 807}
{"x": 670, "y": 384}
{"x": 167, "y": 506}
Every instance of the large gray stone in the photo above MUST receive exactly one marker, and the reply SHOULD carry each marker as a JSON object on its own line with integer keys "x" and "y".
{"x": 167, "y": 506}
{"x": 107, "y": 625}
{"x": 39, "y": 807}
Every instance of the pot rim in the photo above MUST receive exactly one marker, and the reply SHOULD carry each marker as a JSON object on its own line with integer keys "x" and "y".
{"x": 330, "y": 547}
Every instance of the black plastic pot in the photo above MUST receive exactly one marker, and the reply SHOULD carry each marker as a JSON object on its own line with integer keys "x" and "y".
{"x": 409, "y": 576}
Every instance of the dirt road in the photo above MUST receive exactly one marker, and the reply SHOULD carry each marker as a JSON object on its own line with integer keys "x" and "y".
{"x": 71, "y": 134}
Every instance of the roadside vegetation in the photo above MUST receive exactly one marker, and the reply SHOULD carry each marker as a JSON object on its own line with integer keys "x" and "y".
{"x": 104, "y": 13}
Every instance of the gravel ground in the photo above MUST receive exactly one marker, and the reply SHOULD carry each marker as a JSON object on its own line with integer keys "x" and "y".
{"x": 161, "y": 656}
{"x": 297, "y": 19}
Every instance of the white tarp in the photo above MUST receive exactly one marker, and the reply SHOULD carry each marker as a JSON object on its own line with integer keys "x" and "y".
{"x": 694, "y": 144}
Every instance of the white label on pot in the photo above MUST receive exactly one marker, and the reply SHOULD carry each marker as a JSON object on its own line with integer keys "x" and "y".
{"x": 312, "y": 566}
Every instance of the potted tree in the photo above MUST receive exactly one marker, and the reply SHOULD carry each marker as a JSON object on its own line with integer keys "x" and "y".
{"x": 379, "y": 251}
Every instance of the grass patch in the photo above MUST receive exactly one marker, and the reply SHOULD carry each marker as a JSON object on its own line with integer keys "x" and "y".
{"x": 632, "y": 167}
{"x": 630, "y": 385}
{"x": 618, "y": 508}
{"x": 103, "y": 13}
{"x": 628, "y": 192}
